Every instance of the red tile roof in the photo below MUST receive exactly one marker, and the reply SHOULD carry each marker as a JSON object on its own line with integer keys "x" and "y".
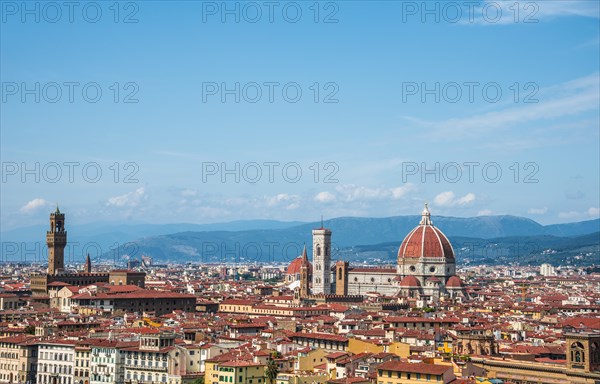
{"x": 398, "y": 366}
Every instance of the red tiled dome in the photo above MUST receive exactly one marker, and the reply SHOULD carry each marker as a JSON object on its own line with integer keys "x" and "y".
{"x": 425, "y": 241}
{"x": 454, "y": 282}
{"x": 294, "y": 267}
{"x": 410, "y": 282}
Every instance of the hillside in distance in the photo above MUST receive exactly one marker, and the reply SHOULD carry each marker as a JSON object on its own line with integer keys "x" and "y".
{"x": 508, "y": 236}
{"x": 271, "y": 240}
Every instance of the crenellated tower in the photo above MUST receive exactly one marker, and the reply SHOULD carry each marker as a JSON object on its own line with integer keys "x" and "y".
{"x": 56, "y": 240}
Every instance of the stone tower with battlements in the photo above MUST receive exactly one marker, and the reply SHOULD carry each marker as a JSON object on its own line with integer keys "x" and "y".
{"x": 56, "y": 240}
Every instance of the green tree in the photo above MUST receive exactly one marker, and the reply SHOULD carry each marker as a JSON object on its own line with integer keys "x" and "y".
{"x": 30, "y": 329}
{"x": 272, "y": 371}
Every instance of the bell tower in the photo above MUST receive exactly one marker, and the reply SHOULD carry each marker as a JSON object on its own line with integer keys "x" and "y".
{"x": 341, "y": 278}
{"x": 321, "y": 261}
{"x": 56, "y": 240}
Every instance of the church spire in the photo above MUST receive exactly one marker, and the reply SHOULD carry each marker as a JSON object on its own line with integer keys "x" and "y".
{"x": 87, "y": 268}
{"x": 304, "y": 256}
{"x": 304, "y": 274}
{"x": 425, "y": 216}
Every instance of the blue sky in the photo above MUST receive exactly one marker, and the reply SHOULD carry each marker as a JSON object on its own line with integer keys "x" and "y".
{"x": 373, "y": 126}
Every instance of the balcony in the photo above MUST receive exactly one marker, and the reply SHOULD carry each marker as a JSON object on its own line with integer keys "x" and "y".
{"x": 146, "y": 368}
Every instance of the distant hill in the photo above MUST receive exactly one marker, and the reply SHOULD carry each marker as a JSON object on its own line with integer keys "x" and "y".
{"x": 573, "y": 229}
{"x": 270, "y": 240}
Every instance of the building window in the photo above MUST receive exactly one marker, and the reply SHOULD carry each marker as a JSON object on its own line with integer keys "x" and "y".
{"x": 577, "y": 353}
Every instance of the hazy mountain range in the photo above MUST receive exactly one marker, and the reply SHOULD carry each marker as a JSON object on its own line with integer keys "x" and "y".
{"x": 476, "y": 239}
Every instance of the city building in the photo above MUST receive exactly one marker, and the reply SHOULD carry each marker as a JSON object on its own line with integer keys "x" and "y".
{"x": 56, "y": 240}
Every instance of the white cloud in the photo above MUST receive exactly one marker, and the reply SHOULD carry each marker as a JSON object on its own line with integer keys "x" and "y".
{"x": 284, "y": 199}
{"x": 131, "y": 199}
{"x": 565, "y": 99}
{"x": 444, "y": 199}
{"x": 537, "y": 211}
{"x": 583, "y": 8}
{"x": 504, "y": 12}
{"x": 466, "y": 199}
{"x": 324, "y": 197}
{"x": 448, "y": 199}
{"x": 484, "y": 212}
{"x": 189, "y": 193}
{"x": 593, "y": 212}
{"x": 34, "y": 205}
{"x": 351, "y": 192}
{"x": 400, "y": 192}
{"x": 569, "y": 215}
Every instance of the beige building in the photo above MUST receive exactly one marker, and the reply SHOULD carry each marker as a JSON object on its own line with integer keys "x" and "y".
{"x": 583, "y": 364}
{"x": 18, "y": 359}
{"x": 308, "y": 360}
{"x": 241, "y": 372}
{"x": 82, "y": 363}
{"x": 9, "y": 301}
{"x": 157, "y": 359}
{"x": 396, "y": 372}
{"x": 56, "y": 362}
{"x": 302, "y": 378}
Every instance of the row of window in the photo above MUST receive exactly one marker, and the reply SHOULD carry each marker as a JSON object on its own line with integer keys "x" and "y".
{"x": 157, "y": 364}
{"x": 142, "y": 377}
{"x": 149, "y": 355}
{"x": 408, "y": 376}
{"x": 103, "y": 360}
{"x": 81, "y": 363}
{"x": 51, "y": 379}
{"x": 56, "y": 356}
{"x": 61, "y": 369}
{"x": 80, "y": 373}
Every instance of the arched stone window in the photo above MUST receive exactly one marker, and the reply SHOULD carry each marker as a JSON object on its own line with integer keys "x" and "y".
{"x": 577, "y": 353}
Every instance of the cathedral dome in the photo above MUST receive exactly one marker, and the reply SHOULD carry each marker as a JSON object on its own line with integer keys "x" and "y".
{"x": 410, "y": 282}
{"x": 454, "y": 282}
{"x": 425, "y": 240}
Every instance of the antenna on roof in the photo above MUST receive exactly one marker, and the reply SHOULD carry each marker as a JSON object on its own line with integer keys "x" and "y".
{"x": 322, "y": 221}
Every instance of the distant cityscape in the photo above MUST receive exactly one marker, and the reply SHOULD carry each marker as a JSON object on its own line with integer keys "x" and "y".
{"x": 313, "y": 320}
{"x": 300, "y": 192}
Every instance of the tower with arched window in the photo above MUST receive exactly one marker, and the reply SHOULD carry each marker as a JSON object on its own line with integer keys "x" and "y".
{"x": 583, "y": 351}
{"x": 321, "y": 261}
